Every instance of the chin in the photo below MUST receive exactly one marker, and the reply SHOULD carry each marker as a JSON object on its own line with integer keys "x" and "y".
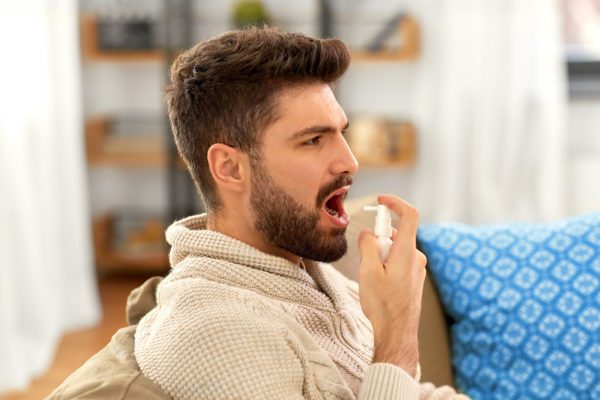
{"x": 331, "y": 253}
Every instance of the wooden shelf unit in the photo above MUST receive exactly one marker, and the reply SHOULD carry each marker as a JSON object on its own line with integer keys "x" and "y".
{"x": 126, "y": 151}
{"x": 104, "y": 149}
{"x": 410, "y": 38}
{"x": 408, "y": 31}
{"x": 91, "y": 51}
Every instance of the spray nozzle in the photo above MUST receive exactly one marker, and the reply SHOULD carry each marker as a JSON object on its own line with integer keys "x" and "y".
{"x": 383, "y": 221}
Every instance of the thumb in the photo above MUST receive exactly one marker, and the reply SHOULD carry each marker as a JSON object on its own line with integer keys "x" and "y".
{"x": 368, "y": 247}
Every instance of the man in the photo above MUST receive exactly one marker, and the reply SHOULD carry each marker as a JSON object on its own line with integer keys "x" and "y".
{"x": 250, "y": 310}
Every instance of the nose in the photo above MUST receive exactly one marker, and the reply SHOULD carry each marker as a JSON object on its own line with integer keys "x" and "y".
{"x": 344, "y": 161}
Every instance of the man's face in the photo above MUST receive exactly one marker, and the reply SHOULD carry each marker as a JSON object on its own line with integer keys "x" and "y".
{"x": 299, "y": 184}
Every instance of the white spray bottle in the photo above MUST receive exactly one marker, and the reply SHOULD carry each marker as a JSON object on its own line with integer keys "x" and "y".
{"x": 383, "y": 228}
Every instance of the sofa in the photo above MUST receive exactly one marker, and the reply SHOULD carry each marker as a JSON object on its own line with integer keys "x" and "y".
{"x": 466, "y": 338}
{"x": 511, "y": 310}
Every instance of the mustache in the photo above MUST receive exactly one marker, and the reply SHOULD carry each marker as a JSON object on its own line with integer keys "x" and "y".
{"x": 337, "y": 183}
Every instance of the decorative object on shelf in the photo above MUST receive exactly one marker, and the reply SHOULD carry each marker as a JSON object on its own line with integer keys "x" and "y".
{"x": 381, "y": 142}
{"x": 378, "y": 43}
{"x": 114, "y": 39}
{"x": 130, "y": 242}
{"x": 405, "y": 46}
{"x": 250, "y": 13}
{"x": 126, "y": 33}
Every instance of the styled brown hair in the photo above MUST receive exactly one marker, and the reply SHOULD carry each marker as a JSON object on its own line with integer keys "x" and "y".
{"x": 224, "y": 90}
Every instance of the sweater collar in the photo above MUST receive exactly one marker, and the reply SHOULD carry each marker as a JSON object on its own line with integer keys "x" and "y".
{"x": 189, "y": 236}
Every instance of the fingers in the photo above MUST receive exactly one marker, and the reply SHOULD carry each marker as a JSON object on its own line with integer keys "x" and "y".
{"x": 408, "y": 221}
{"x": 421, "y": 259}
{"x": 368, "y": 247}
{"x": 408, "y": 215}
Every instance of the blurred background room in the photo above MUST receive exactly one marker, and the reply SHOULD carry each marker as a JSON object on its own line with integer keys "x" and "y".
{"x": 477, "y": 112}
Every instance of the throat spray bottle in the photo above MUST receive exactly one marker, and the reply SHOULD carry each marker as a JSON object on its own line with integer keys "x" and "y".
{"x": 383, "y": 228}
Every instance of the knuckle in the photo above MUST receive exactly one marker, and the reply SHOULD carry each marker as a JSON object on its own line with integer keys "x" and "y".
{"x": 408, "y": 210}
{"x": 412, "y": 211}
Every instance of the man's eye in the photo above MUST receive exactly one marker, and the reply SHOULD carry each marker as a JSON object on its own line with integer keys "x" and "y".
{"x": 313, "y": 141}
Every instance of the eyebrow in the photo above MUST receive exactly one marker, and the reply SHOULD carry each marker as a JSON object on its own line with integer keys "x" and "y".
{"x": 318, "y": 129}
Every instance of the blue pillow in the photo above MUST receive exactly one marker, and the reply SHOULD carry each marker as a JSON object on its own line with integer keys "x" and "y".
{"x": 524, "y": 300}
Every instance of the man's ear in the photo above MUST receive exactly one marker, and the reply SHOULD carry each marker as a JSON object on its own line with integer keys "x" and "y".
{"x": 227, "y": 166}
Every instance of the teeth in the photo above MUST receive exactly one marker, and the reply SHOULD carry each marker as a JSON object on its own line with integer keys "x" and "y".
{"x": 331, "y": 211}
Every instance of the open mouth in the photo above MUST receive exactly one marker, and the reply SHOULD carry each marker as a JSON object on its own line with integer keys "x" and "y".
{"x": 334, "y": 206}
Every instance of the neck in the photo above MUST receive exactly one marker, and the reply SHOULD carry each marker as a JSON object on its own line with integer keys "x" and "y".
{"x": 247, "y": 234}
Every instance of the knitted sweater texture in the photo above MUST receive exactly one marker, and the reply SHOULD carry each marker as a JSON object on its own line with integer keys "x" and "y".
{"x": 232, "y": 322}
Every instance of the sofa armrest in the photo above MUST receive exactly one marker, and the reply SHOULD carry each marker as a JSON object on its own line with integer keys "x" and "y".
{"x": 434, "y": 339}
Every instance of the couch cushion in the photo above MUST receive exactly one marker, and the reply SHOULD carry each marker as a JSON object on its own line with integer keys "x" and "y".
{"x": 434, "y": 347}
{"x": 112, "y": 373}
{"x": 525, "y": 303}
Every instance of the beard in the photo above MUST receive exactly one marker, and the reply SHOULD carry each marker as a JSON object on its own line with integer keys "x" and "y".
{"x": 289, "y": 225}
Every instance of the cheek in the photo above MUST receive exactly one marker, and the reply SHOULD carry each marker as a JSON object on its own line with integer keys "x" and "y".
{"x": 301, "y": 181}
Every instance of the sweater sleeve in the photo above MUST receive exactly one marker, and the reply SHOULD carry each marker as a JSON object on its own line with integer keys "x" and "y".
{"x": 386, "y": 382}
{"x": 430, "y": 392}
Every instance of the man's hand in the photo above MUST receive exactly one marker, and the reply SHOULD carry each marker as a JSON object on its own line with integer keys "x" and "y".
{"x": 391, "y": 289}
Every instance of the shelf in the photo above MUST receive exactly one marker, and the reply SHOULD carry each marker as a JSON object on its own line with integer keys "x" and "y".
{"x": 127, "y": 151}
{"x": 144, "y": 251}
{"x": 409, "y": 35}
{"x": 91, "y": 51}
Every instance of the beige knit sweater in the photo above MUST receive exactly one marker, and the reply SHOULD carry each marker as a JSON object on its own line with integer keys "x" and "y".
{"x": 235, "y": 323}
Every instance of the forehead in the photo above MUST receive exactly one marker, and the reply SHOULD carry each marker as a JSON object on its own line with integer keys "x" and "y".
{"x": 304, "y": 106}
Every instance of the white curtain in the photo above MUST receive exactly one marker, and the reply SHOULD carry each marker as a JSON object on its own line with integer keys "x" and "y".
{"x": 491, "y": 110}
{"x": 47, "y": 283}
